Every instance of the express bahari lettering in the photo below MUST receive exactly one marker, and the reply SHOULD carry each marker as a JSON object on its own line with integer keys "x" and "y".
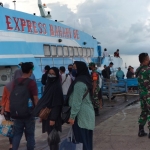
{"x": 20, "y": 25}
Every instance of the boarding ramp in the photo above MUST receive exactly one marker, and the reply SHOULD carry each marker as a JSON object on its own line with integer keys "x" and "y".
{"x": 119, "y": 87}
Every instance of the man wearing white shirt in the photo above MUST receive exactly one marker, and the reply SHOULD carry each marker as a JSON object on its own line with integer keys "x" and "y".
{"x": 65, "y": 80}
{"x": 105, "y": 53}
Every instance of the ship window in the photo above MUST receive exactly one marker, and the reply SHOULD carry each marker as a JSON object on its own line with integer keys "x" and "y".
{"x": 65, "y": 49}
{"x": 76, "y": 51}
{"x": 92, "y": 52}
{"x": 70, "y": 51}
{"x": 80, "y": 51}
{"x": 60, "y": 51}
{"x": 84, "y": 52}
{"x": 46, "y": 50}
{"x": 53, "y": 50}
{"x": 88, "y": 52}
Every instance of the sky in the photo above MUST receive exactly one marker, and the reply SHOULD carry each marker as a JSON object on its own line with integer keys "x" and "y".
{"x": 116, "y": 24}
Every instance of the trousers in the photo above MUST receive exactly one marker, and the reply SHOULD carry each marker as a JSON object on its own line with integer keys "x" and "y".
{"x": 83, "y": 136}
{"x": 145, "y": 113}
{"x": 19, "y": 126}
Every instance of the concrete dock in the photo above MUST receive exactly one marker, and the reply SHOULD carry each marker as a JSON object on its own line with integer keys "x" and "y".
{"x": 116, "y": 129}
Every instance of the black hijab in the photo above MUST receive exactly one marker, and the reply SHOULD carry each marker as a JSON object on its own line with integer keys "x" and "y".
{"x": 53, "y": 95}
{"x": 82, "y": 76}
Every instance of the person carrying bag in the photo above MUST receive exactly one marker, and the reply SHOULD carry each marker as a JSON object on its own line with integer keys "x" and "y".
{"x": 50, "y": 105}
{"x": 69, "y": 143}
{"x": 82, "y": 116}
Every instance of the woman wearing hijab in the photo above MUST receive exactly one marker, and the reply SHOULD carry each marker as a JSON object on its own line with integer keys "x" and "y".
{"x": 53, "y": 99}
{"x": 82, "y": 112}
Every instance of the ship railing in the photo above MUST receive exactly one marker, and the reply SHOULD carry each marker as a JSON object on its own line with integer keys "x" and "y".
{"x": 112, "y": 88}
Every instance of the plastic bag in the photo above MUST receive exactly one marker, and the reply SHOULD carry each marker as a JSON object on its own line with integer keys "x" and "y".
{"x": 1, "y": 119}
{"x": 69, "y": 143}
{"x": 53, "y": 138}
{"x": 6, "y": 128}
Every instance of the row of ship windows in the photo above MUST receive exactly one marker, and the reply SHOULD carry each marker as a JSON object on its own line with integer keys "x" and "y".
{"x": 67, "y": 51}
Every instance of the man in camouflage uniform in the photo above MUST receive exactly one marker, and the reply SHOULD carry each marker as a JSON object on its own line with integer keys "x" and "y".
{"x": 95, "y": 81}
{"x": 143, "y": 75}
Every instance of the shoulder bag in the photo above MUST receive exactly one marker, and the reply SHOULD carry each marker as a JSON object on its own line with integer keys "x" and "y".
{"x": 44, "y": 113}
{"x": 66, "y": 111}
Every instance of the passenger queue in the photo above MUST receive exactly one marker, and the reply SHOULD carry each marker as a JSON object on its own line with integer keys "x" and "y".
{"x": 80, "y": 89}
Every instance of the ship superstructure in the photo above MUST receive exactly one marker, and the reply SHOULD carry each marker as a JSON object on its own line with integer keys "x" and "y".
{"x": 38, "y": 39}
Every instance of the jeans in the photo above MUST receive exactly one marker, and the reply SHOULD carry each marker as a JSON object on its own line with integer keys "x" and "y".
{"x": 21, "y": 125}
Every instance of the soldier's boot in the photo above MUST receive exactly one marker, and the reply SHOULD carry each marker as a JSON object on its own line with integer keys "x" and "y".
{"x": 149, "y": 135}
{"x": 142, "y": 132}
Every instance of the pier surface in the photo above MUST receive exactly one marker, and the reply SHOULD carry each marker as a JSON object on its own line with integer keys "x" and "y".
{"x": 116, "y": 129}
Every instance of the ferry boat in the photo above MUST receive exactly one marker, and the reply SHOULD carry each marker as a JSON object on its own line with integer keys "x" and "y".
{"x": 43, "y": 41}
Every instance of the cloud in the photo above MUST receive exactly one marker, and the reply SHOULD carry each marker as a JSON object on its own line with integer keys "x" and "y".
{"x": 6, "y": 5}
{"x": 119, "y": 24}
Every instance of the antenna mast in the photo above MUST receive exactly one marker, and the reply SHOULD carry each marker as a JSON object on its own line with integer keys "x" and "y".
{"x": 42, "y": 10}
{"x": 14, "y": 4}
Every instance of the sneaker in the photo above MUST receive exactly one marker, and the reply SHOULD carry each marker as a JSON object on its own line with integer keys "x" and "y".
{"x": 142, "y": 133}
{"x": 149, "y": 135}
{"x": 113, "y": 97}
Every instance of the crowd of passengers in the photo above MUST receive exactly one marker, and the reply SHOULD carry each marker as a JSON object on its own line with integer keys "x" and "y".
{"x": 80, "y": 88}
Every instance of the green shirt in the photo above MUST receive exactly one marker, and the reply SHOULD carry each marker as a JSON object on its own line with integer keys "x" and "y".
{"x": 82, "y": 109}
{"x": 144, "y": 82}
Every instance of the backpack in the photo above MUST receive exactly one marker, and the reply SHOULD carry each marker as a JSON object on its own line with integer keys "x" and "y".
{"x": 19, "y": 100}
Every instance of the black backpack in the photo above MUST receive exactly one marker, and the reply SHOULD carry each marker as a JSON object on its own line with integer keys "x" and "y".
{"x": 19, "y": 100}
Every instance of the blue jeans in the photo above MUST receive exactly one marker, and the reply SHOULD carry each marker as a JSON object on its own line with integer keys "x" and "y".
{"x": 21, "y": 125}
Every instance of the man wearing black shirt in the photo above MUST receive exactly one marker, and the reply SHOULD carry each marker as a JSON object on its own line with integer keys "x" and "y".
{"x": 44, "y": 76}
{"x": 108, "y": 71}
{"x": 130, "y": 73}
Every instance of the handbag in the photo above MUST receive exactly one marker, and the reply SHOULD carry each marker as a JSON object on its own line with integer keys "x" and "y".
{"x": 53, "y": 137}
{"x": 66, "y": 111}
{"x": 44, "y": 113}
{"x": 65, "y": 114}
{"x": 6, "y": 128}
{"x": 69, "y": 143}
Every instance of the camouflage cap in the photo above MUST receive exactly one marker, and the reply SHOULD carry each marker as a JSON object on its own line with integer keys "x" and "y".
{"x": 91, "y": 64}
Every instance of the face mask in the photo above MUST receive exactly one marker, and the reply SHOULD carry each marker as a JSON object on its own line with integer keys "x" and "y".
{"x": 90, "y": 68}
{"x": 51, "y": 76}
{"x": 74, "y": 72}
{"x": 70, "y": 69}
